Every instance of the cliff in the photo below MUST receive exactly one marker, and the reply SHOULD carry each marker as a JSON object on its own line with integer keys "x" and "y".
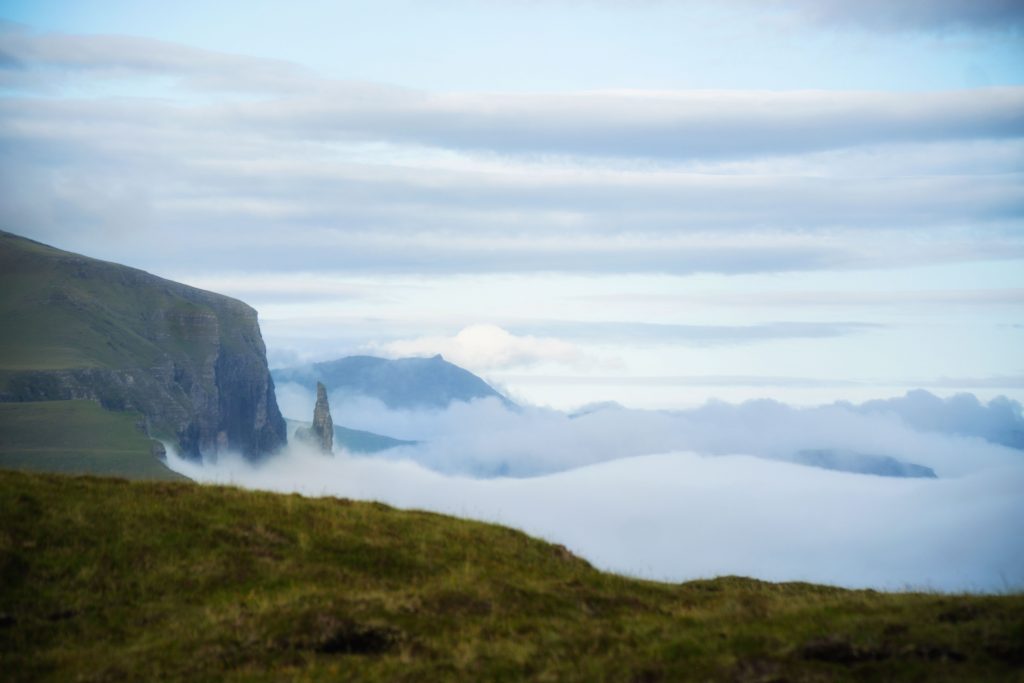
{"x": 191, "y": 362}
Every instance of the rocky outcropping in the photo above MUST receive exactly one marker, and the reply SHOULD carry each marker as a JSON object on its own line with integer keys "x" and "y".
{"x": 321, "y": 433}
{"x": 191, "y": 362}
{"x": 323, "y": 425}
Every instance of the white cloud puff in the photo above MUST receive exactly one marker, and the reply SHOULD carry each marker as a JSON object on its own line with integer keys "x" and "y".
{"x": 486, "y": 347}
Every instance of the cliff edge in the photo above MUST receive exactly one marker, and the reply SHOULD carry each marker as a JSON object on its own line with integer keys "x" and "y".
{"x": 192, "y": 363}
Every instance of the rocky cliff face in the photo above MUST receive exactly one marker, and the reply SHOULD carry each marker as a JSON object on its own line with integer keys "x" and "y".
{"x": 191, "y": 362}
{"x": 323, "y": 425}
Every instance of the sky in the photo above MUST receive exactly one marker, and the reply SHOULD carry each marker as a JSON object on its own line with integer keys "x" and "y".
{"x": 654, "y": 202}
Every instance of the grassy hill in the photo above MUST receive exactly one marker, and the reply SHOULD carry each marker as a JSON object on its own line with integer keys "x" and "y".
{"x": 190, "y": 365}
{"x": 77, "y": 437}
{"x": 104, "y": 580}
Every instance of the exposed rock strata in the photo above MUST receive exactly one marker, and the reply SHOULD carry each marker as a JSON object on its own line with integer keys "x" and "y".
{"x": 192, "y": 362}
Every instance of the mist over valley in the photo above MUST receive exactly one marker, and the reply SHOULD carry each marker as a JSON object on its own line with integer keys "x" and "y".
{"x": 851, "y": 495}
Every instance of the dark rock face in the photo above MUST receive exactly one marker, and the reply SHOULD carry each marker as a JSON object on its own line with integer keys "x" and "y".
{"x": 323, "y": 425}
{"x": 321, "y": 432}
{"x": 192, "y": 362}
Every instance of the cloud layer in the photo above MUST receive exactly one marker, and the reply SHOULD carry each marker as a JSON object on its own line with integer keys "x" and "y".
{"x": 911, "y": 15}
{"x": 175, "y": 151}
{"x": 681, "y": 515}
{"x": 483, "y": 438}
{"x": 488, "y": 347}
{"x": 704, "y": 124}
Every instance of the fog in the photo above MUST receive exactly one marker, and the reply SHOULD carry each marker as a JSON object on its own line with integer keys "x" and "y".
{"x": 484, "y": 439}
{"x": 999, "y": 421}
{"x": 678, "y": 496}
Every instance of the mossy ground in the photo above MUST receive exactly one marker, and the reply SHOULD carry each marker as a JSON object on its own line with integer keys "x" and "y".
{"x": 77, "y": 437}
{"x": 104, "y": 579}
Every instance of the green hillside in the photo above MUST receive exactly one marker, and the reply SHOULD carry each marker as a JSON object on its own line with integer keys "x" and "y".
{"x": 77, "y": 437}
{"x": 66, "y": 311}
{"x": 189, "y": 364}
{"x": 106, "y": 580}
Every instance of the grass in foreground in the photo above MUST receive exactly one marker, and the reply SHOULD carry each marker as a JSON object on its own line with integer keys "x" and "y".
{"x": 109, "y": 580}
{"x": 77, "y": 437}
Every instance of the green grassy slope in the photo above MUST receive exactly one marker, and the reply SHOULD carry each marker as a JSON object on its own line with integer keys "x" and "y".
{"x": 109, "y": 580}
{"x": 77, "y": 437}
{"x": 62, "y": 310}
{"x": 191, "y": 362}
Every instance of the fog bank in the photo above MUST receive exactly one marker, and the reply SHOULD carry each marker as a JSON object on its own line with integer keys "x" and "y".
{"x": 699, "y": 493}
{"x": 680, "y": 516}
{"x": 485, "y": 439}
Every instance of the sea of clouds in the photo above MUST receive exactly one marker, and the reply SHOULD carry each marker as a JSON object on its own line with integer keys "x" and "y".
{"x": 698, "y": 493}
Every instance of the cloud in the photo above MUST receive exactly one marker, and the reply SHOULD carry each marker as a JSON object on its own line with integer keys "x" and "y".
{"x": 698, "y": 335}
{"x": 488, "y": 347}
{"x": 911, "y": 15}
{"x": 997, "y": 381}
{"x": 604, "y": 488}
{"x": 175, "y": 208}
{"x": 485, "y": 347}
{"x": 322, "y": 175}
{"x": 1000, "y": 421}
{"x": 829, "y": 298}
{"x": 483, "y": 438}
{"x": 622, "y": 123}
{"x": 675, "y": 125}
{"x": 994, "y": 16}
{"x": 683, "y": 381}
{"x": 65, "y": 57}
{"x": 994, "y": 382}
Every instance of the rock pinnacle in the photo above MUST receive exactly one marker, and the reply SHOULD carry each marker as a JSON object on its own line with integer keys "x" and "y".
{"x": 323, "y": 425}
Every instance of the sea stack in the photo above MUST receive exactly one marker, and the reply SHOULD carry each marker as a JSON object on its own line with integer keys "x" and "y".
{"x": 323, "y": 425}
{"x": 321, "y": 432}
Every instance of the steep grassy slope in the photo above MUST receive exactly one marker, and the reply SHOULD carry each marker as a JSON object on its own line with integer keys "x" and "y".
{"x": 78, "y": 437}
{"x": 109, "y": 580}
{"x": 191, "y": 362}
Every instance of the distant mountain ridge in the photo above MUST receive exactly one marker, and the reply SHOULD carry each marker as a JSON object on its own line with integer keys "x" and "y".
{"x": 192, "y": 363}
{"x": 400, "y": 384}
